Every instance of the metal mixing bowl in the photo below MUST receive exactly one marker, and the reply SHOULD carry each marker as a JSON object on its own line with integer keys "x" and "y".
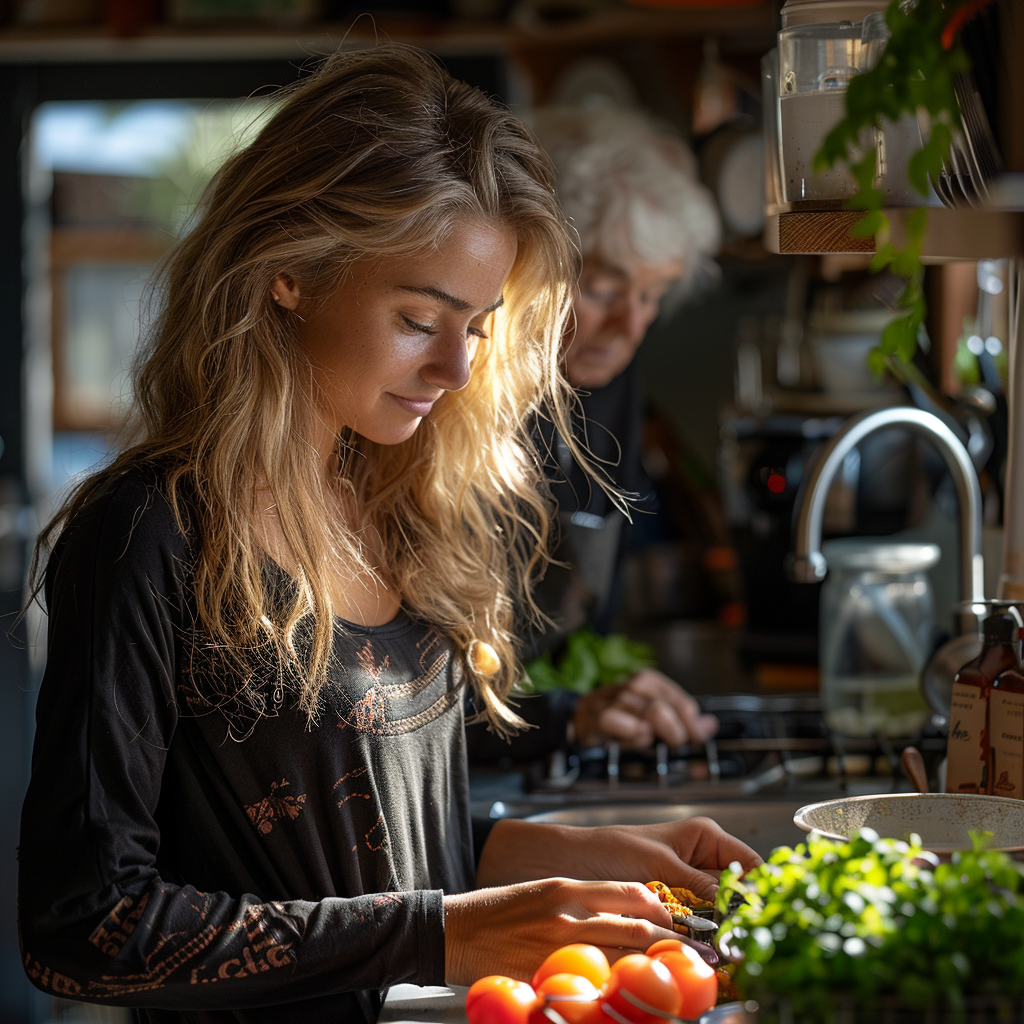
{"x": 944, "y": 821}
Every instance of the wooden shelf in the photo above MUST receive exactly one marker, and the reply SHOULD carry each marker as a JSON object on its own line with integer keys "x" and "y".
{"x": 22, "y": 44}
{"x": 968, "y": 234}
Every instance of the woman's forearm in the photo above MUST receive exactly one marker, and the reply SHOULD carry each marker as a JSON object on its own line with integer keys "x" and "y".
{"x": 521, "y": 851}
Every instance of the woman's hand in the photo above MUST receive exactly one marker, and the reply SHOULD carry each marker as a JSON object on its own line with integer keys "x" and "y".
{"x": 510, "y": 930}
{"x": 647, "y": 707}
{"x": 688, "y": 853}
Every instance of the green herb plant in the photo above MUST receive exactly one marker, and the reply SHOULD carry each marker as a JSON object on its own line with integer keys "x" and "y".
{"x": 915, "y": 74}
{"x": 589, "y": 660}
{"x": 871, "y": 923}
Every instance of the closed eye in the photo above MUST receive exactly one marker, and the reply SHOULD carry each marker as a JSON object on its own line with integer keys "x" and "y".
{"x": 420, "y": 328}
{"x": 432, "y": 329}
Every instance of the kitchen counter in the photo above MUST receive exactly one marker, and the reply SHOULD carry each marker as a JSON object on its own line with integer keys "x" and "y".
{"x": 763, "y": 819}
{"x": 432, "y": 1004}
{"x": 410, "y": 1004}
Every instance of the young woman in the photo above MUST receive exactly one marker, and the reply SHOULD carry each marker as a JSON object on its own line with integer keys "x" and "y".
{"x": 249, "y": 797}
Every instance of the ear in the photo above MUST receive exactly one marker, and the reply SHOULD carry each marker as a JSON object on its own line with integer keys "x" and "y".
{"x": 285, "y": 292}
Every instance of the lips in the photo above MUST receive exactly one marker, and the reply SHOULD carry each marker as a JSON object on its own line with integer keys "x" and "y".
{"x": 417, "y": 406}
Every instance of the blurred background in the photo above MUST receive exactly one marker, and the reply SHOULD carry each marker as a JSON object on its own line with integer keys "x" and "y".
{"x": 117, "y": 112}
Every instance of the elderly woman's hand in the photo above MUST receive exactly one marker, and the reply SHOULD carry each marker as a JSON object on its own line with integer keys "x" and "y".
{"x": 645, "y": 708}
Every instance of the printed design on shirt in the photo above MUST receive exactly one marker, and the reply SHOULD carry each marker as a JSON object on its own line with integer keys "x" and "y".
{"x": 377, "y": 838}
{"x": 262, "y": 939}
{"x": 373, "y": 712}
{"x": 356, "y": 773}
{"x": 273, "y": 808}
{"x": 265, "y": 928}
{"x": 449, "y": 701}
{"x": 113, "y": 931}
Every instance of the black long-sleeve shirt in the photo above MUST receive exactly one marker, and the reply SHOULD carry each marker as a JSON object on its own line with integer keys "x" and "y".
{"x": 206, "y": 856}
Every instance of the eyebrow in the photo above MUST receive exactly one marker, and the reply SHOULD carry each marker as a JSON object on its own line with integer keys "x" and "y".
{"x": 452, "y": 301}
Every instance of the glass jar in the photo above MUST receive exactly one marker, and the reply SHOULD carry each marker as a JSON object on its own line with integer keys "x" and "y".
{"x": 816, "y": 63}
{"x": 877, "y": 623}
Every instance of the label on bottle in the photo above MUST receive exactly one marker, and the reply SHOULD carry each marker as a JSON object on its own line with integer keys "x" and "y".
{"x": 967, "y": 750}
{"x": 1006, "y": 729}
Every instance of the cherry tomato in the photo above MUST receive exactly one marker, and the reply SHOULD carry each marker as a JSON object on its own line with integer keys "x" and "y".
{"x": 570, "y": 995}
{"x": 578, "y": 958}
{"x": 665, "y": 946}
{"x": 499, "y": 1000}
{"x": 702, "y": 949}
{"x": 696, "y": 981}
{"x": 641, "y": 990}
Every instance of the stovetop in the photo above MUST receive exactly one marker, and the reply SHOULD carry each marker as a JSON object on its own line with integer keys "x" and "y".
{"x": 767, "y": 744}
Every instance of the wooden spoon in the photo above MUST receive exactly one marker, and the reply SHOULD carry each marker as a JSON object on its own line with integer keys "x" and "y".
{"x": 913, "y": 765}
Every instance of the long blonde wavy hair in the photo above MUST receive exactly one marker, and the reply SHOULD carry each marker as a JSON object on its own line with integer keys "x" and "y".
{"x": 375, "y": 155}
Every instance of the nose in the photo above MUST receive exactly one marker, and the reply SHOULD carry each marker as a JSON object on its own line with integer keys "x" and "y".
{"x": 630, "y": 318}
{"x": 448, "y": 366}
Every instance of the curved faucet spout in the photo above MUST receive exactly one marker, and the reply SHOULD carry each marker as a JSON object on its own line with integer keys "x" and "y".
{"x": 807, "y": 564}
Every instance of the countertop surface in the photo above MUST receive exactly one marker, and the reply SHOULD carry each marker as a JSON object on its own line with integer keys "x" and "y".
{"x": 433, "y": 1004}
{"x": 410, "y": 1004}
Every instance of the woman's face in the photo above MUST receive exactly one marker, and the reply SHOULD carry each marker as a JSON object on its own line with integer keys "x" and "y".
{"x": 397, "y": 334}
{"x": 613, "y": 309}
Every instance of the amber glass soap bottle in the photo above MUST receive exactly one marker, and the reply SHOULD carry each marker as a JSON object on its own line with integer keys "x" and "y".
{"x": 969, "y": 754}
{"x": 1006, "y": 733}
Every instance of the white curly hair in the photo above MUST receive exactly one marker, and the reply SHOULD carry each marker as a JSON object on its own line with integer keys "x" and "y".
{"x": 629, "y": 187}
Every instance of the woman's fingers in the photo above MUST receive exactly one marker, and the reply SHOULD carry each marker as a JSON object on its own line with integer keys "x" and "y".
{"x": 624, "y": 726}
{"x": 674, "y": 704}
{"x": 649, "y": 706}
{"x": 510, "y": 930}
{"x": 710, "y": 846}
{"x": 629, "y": 934}
{"x": 666, "y": 723}
{"x": 631, "y": 898}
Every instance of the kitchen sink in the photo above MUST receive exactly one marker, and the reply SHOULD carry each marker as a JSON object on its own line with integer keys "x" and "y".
{"x": 761, "y": 824}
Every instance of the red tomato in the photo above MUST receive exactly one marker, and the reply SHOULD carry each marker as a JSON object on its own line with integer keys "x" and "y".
{"x": 696, "y": 981}
{"x": 578, "y": 958}
{"x": 499, "y": 1000}
{"x": 570, "y": 995}
{"x": 641, "y": 990}
{"x": 665, "y": 946}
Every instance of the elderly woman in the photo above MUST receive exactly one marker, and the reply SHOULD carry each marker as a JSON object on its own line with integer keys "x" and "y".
{"x": 647, "y": 230}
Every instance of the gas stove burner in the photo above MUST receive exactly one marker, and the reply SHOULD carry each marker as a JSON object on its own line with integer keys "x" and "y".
{"x": 762, "y": 739}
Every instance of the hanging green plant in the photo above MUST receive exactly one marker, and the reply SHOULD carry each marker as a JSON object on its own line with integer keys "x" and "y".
{"x": 916, "y": 73}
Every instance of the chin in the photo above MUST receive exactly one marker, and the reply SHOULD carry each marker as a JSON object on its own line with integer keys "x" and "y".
{"x": 394, "y": 434}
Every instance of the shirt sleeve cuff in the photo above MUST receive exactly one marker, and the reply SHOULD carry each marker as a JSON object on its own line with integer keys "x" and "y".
{"x": 431, "y": 939}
